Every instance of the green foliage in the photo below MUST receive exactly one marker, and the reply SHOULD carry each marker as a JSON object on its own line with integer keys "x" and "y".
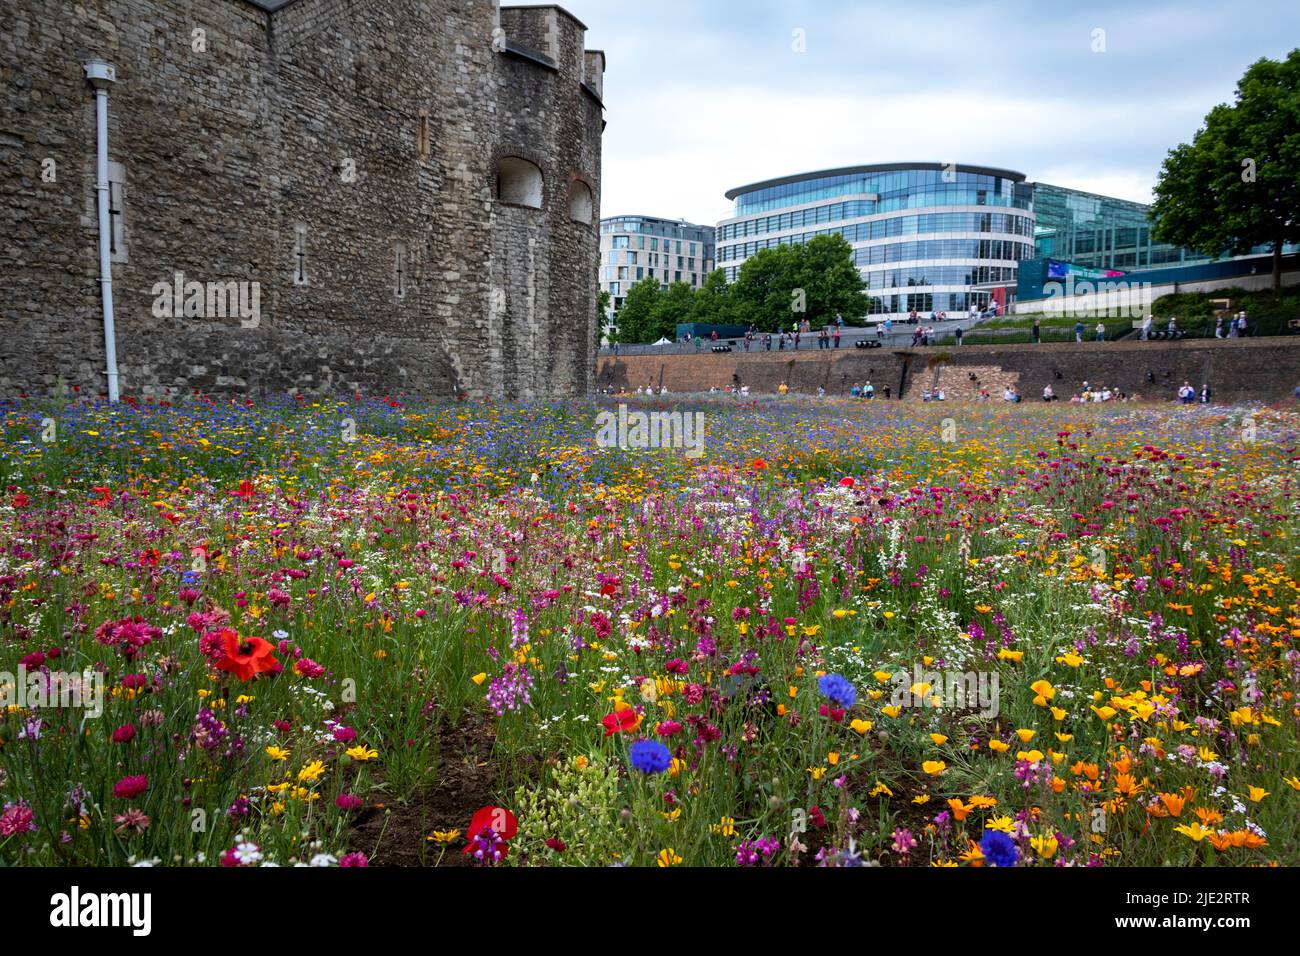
{"x": 1237, "y": 184}
{"x": 776, "y": 289}
{"x": 675, "y": 305}
{"x": 636, "y": 320}
{"x": 580, "y": 807}
{"x": 713, "y": 301}
{"x": 602, "y": 307}
{"x": 817, "y": 281}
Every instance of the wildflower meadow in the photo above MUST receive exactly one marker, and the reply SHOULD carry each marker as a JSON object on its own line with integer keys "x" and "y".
{"x": 242, "y": 632}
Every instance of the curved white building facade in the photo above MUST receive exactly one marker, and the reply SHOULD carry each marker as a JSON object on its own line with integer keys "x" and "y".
{"x": 927, "y": 236}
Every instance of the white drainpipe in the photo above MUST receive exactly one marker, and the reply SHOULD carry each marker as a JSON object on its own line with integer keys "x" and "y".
{"x": 101, "y": 76}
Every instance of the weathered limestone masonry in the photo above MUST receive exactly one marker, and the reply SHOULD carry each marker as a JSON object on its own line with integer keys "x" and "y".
{"x": 413, "y": 185}
{"x": 1264, "y": 369}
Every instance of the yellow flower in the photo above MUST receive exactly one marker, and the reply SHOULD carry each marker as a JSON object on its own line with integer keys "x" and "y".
{"x": 817, "y": 772}
{"x": 1105, "y": 713}
{"x": 882, "y": 676}
{"x": 934, "y": 767}
{"x": 891, "y": 711}
{"x": 833, "y": 758}
{"x": 1044, "y": 846}
{"x": 1257, "y": 794}
{"x": 362, "y": 752}
{"x": 1013, "y": 656}
{"x": 444, "y": 836}
{"x": 880, "y": 788}
{"x": 1025, "y": 734}
{"x": 1070, "y": 659}
{"x": 1193, "y": 831}
{"x": 862, "y": 726}
{"x": 1058, "y": 713}
{"x": 939, "y": 739}
{"x": 277, "y": 753}
{"x": 479, "y": 678}
{"x": 1002, "y": 824}
{"x": 668, "y": 857}
{"x": 1292, "y": 782}
{"x": 727, "y": 827}
{"x": 997, "y": 746}
{"x": 312, "y": 772}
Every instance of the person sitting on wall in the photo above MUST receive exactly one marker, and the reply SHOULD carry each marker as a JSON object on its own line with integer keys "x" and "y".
{"x": 1048, "y": 394}
{"x": 869, "y": 391}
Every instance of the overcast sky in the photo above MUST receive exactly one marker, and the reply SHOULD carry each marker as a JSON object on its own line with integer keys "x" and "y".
{"x": 706, "y": 95}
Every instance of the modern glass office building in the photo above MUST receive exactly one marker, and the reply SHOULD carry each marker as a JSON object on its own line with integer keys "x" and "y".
{"x": 1100, "y": 232}
{"x": 926, "y": 236}
{"x": 633, "y": 248}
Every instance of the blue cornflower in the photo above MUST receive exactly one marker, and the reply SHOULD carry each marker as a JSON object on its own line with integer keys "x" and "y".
{"x": 838, "y": 689}
{"x": 999, "y": 849}
{"x": 650, "y": 756}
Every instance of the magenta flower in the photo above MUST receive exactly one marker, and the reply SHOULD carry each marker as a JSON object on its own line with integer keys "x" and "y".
{"x": 128, "y": 788}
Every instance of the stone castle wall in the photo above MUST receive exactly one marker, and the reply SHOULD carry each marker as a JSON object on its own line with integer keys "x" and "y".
{"x": 315, "y": 148}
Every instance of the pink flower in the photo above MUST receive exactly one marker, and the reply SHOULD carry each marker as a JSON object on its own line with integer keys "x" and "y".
{"x": 128, "y": 788}
{"x": 124, "y": 734}
{"x": 348, "y": 801}
{"x": 354, "y": 859}
{"x": 17, "y": 818}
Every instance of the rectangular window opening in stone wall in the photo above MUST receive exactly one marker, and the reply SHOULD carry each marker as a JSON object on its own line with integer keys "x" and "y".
{"x": 401, "y": 275}
{"x": 424, "y": 136}
{"x": 300, "y": 255}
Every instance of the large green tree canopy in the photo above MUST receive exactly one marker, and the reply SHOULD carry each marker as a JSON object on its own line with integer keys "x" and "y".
{"x": 1237, "y": 184}
{"x": 775, "y": 290}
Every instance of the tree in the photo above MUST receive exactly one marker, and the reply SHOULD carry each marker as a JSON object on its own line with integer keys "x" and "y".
{"x": 674, "y": 306}
{"x": 602, "y": 310}
{"x": 713, "y": 301}
{"x": 763, "y": 294}
{"x": 830, "y": 277}
{"x": 1237, "y": 184}
{"x": 816, "y": 281}
{"x": 636, "y": 320}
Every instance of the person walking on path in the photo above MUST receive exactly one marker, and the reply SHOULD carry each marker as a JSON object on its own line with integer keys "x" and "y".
{"x": 957, "y": 334}
{"x": 1036, "y": 335}
{"x": 1101, "y": 331}
{"x": 836, "y": 336}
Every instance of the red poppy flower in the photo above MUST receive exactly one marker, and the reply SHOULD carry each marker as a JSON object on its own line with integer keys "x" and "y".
{"x": 246, "y": 489}
{"x": 620, "y": 720}
{"x": 758, "y": 464}
{"x": 498, "y": 819}
{"x": 246, "y": 657}
{"x": 846, "y": 482}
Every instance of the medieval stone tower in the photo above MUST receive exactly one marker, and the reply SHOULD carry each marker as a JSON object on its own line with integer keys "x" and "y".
{"x": 397, "y": 197}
